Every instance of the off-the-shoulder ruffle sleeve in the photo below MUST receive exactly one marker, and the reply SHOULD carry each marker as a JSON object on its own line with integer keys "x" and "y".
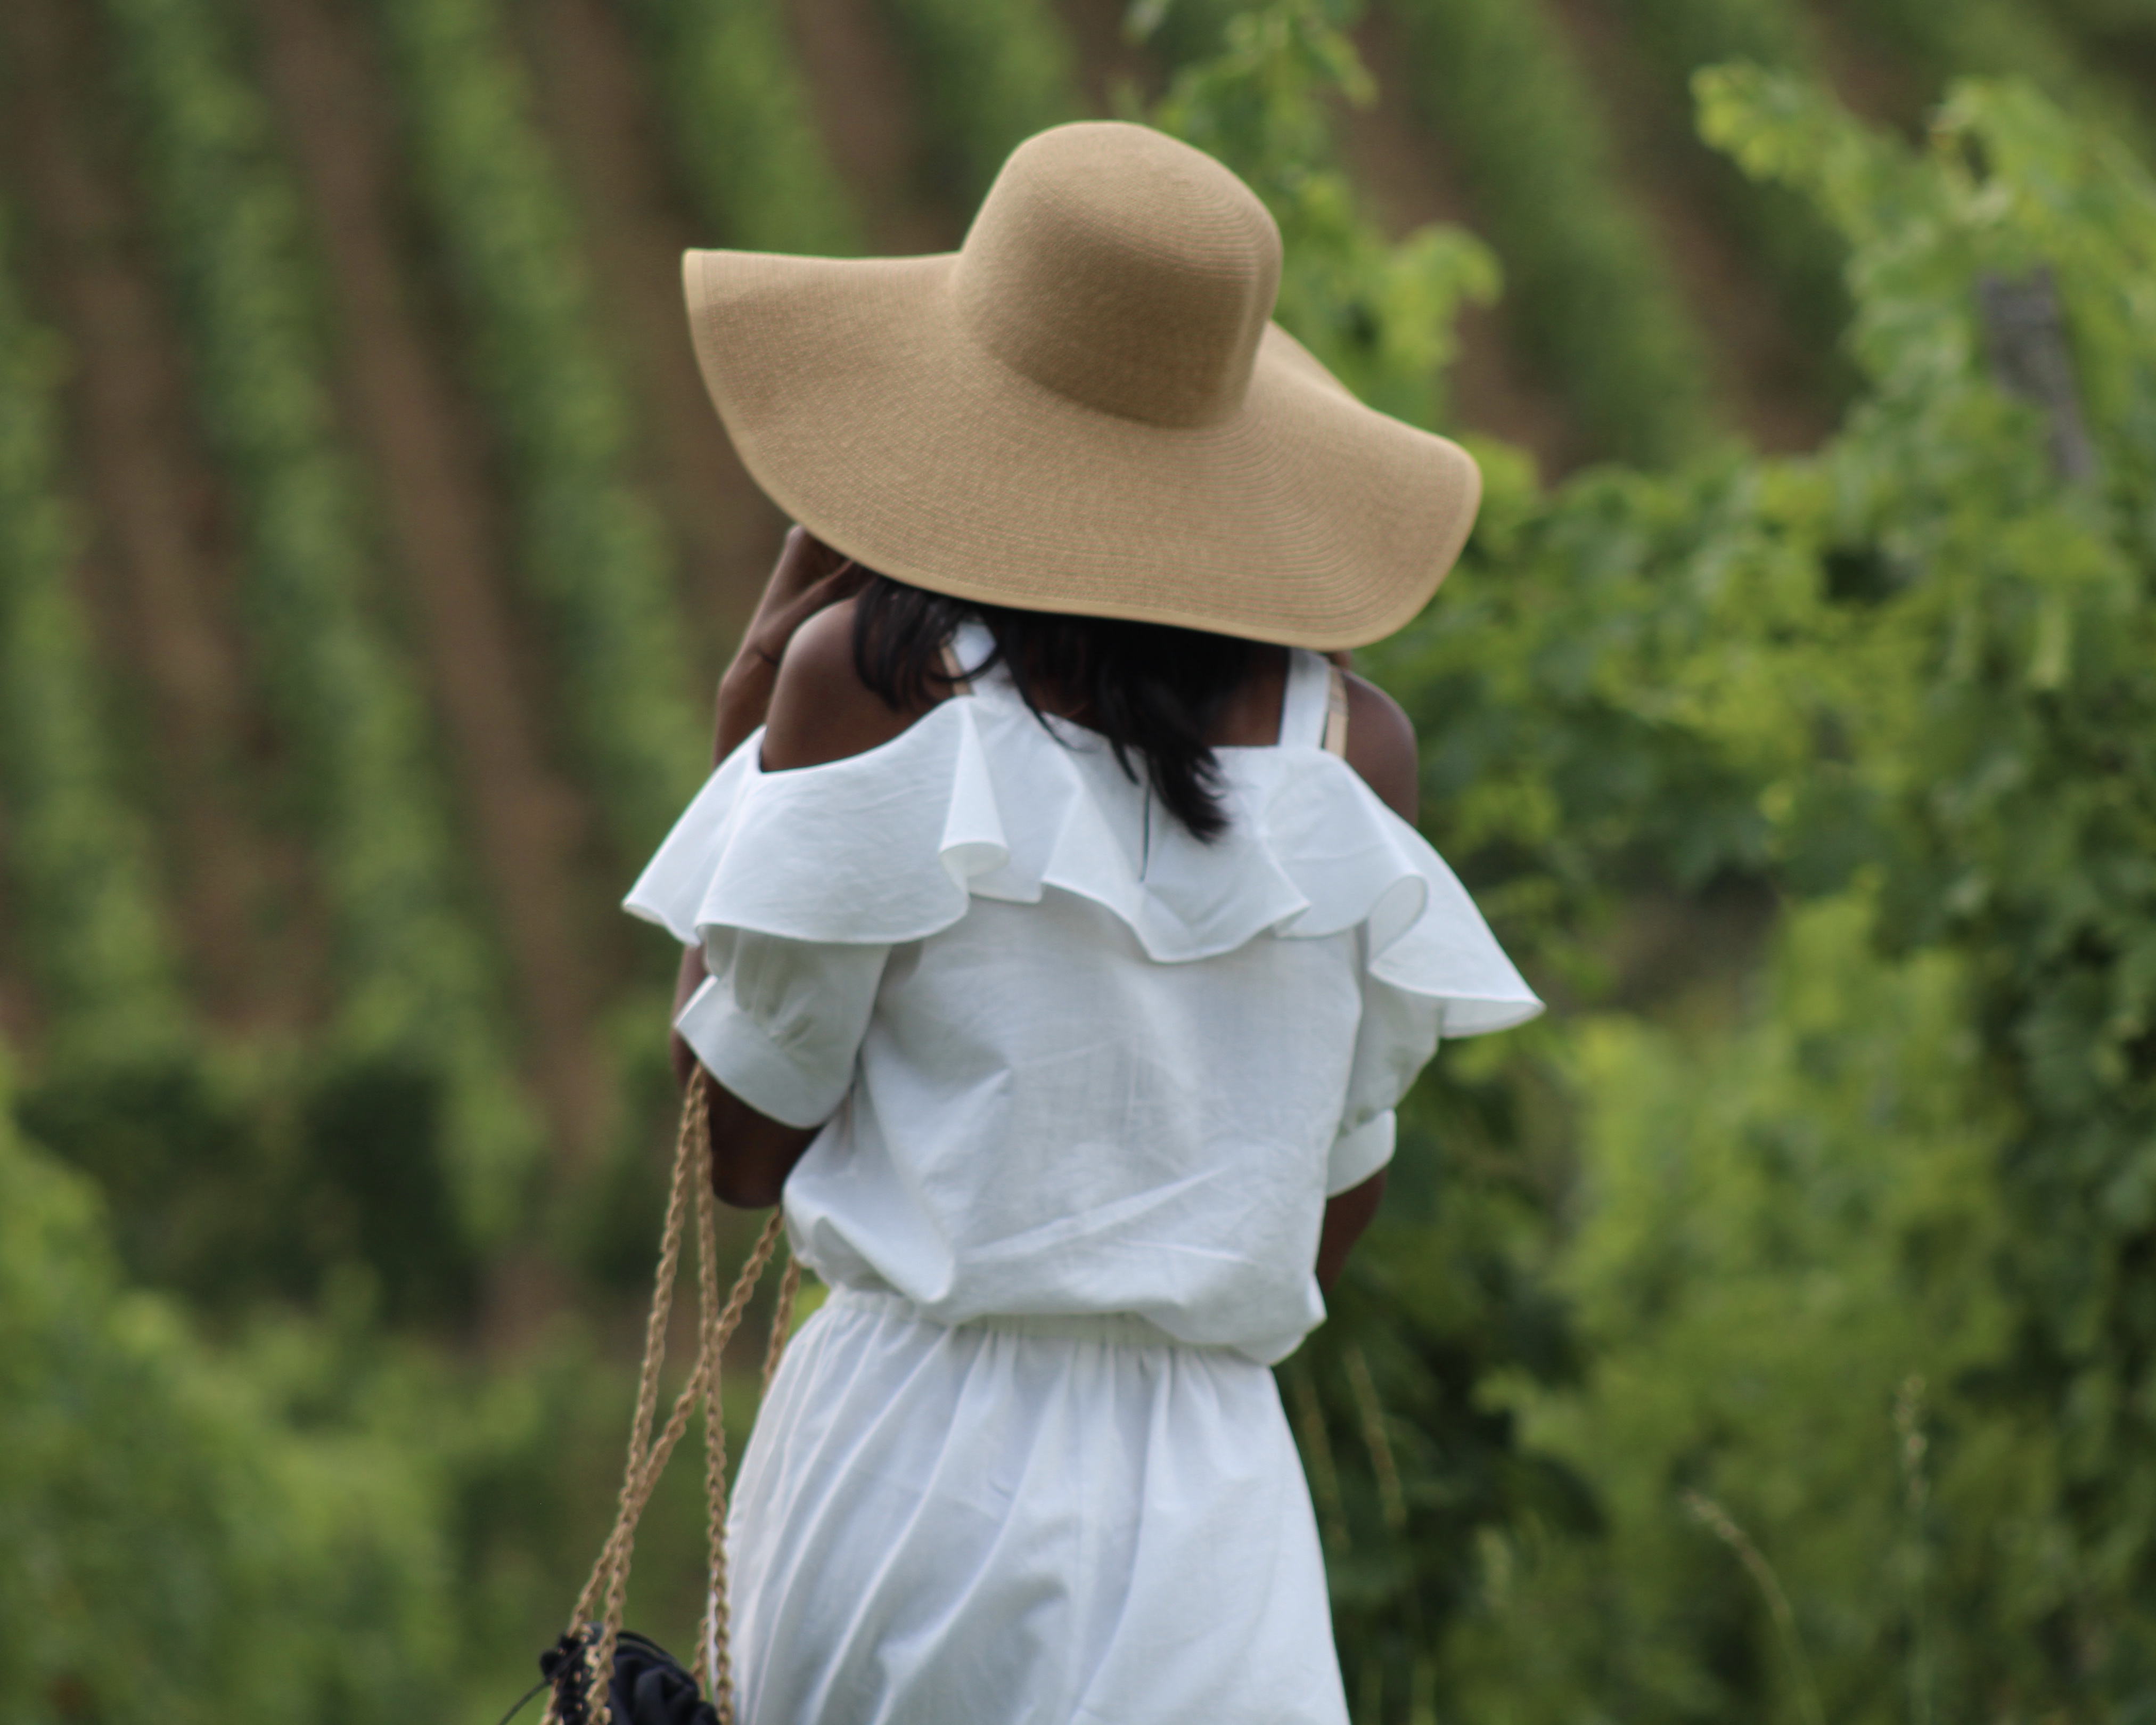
{"x": 1359, "y": 1152}
{"x": 977, "y": 799}
{"x": 779, "y": 1023}
{"x": 874, "y": 849}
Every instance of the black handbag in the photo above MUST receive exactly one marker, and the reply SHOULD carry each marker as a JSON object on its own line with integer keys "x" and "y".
{"x": 597, "y": 1673}
{"x": 649, "y": 1688}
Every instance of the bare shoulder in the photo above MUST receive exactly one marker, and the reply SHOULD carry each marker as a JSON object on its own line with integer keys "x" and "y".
{"x": 1381, "y": 746}
{"x": 820, "y": 709}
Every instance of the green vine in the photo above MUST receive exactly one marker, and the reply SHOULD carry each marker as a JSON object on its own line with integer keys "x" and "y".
{"x": 1594, "y": 302}
{"x": 989, "y": 74}
{"x": 593, "y": 551}
{"x": 745, "y": 137}
{"x": 417, "y": 988}
{"x": 87, "y": 911}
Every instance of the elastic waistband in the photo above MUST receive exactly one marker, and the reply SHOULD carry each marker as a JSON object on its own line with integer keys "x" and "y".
{"x": 1124, "y": 1329}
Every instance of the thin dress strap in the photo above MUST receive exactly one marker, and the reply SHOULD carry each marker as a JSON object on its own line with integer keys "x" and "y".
{"x": 969, "y": 645}
{"x": 1303, "y": 701}
{"x": 1314, "y": 707}
{"x": 955, "y": 668}
{"x": 1335, "y": 710}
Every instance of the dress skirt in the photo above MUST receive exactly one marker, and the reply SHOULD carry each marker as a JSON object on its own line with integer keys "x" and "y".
{"x": 1024, "y": 1522}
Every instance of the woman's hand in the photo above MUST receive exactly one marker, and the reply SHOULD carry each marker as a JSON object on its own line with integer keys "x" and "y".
{"x": 809, "y": 576}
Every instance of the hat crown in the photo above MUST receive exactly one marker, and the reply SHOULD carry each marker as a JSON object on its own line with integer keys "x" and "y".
{"x": 1124, "y": 269}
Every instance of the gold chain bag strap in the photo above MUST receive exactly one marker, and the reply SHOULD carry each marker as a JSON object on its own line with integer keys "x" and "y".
{"x": 582, "y": 1671}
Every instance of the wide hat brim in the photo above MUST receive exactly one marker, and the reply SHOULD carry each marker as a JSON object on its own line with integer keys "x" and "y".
{"x": 867, "y": 411}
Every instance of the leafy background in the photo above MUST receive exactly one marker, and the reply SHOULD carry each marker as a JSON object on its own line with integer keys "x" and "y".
{"x": 1767, "y": 1334}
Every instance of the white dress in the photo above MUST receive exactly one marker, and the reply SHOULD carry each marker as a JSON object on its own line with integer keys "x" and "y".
{"x": 1089, "y": 1082}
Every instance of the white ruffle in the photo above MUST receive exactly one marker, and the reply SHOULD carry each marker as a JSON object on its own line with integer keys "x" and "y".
{"x": 977, "y": 799}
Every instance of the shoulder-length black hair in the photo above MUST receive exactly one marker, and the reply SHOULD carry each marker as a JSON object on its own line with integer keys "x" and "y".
{"x": 1152, "y": 691}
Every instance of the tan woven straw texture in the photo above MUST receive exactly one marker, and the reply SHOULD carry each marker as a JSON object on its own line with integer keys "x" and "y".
{"x": 1084, "y": 409}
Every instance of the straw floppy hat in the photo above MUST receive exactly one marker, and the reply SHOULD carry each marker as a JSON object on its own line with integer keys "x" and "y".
{"x": 1086, "y": 410}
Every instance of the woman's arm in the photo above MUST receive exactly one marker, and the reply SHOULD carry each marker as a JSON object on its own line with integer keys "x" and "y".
{"x": 809, "y": 576}
{"x": 1346, "y": 1215}
{"x": 752, "y": 1154}
{"x": 1381, "y": 746}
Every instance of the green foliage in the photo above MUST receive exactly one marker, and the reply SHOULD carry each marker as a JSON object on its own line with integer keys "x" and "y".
{"x": 1413, "y": 1476}
{"x": 593, "y": 552}
{"x": 174, "y": 1545}
{"x": 1589, "y": 294}
{"x": 309, "y": 1521}
{"x": 91, "y": 928}
{"x": 1184, "y": 31}
{"x": 2125, "y": 19}
{"x": 1914, "y": 679}
{"x": 2020, "y": 803}
{"x": 1789, "y": 1216}
{"x": 200, "y": 1194}
{"x": 416, "y": 986}
{"x": 744, "y": 137}
{"x": 2005, "y": 39}
{"x": 989, "y": 75}
{"x": 1799, "y": 254}
{"x": 1771, "y": 33}
{"x": 1379, "y": 314}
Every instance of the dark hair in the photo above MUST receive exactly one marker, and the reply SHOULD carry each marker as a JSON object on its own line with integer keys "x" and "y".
{"x": 1151, "y": 691}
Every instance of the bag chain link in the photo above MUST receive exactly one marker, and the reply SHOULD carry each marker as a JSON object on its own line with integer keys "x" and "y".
{"x": 608, "y": 1587}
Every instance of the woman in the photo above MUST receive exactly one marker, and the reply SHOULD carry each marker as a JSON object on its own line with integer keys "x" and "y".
{"x": 1045, "y": 958}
